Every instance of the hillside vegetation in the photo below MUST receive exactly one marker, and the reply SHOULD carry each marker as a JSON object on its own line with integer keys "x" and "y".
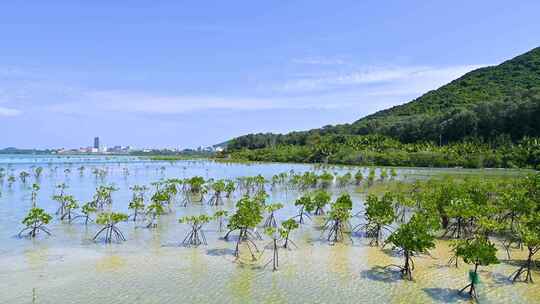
{"x": 488, "y": 117}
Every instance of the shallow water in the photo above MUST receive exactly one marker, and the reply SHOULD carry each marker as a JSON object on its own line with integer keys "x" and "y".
{"x": 150, "y": 267}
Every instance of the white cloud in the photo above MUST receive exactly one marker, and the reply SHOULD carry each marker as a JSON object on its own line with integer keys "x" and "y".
{"x": 88, "y": 102}
{"x": 364, "y": 90}
{"x": 416, "y": 78}
{"x": 9, "y": 112}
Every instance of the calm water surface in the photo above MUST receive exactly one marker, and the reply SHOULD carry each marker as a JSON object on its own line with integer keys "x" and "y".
{"x": 151, "y": 267}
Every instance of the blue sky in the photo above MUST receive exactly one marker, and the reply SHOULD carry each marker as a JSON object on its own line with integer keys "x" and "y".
{"x": 183, "y": 74}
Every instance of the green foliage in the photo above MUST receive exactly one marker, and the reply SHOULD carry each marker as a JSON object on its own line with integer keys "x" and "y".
{"x": 218, "y": 186}
{"x": 285, "y": 231}
{"x": 248, "y": 214}
{"x": 380, "y": 211}
{"x": 358, "y": 177}
{"x": 88, "y": 208}
{"x": 273, "y": 207}
{"x": 261, "y": 196}
{"x": 137, "y": 203}
{"x": 289, "y": 225}
{"x": 161, "y": 197}
{"x": 414, "y": 236}
{"x": 23, "y": 175}
{"x": 528, "y": 230}
{"x": 195, "y": 219}
{"x": 110, "y": 218}
{"x": 342, "y": 203}
{"x": 196, "y": 183}
{"x": 337, "y": 225}
{"x": 221, "y": 213}
{"x": 344, "y": 180}
{"x": 229, "y": 187}
{"x": 156, "y": 208}
{"x": 326, "y": 179}
{"x": 305, "y": 202}
{"x": 36, "y": 216}
{"x": 320, "y": 199}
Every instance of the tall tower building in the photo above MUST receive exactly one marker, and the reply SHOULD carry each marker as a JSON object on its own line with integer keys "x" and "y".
{"x": 96, "y": 143}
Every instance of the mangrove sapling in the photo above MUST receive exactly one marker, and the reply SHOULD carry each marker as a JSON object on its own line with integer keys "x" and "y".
{"x": 218, "y": 187}
{"x": 11, "y": 179}
{"x": 261, "y": 196}
{"x": 260, "y": 181}
{"x": 276, "y": 179}
{"x": 86, "y": 209}
{"x": 344, "y": 180}
{"x": 70, "y": 205}
{"x": 371, "y": 177}
{"x": 379, "y": 214}
{"x": 305, "y": 205}
{"x": 220, "y": 216}
{"x": 62, "y": 188}
{"x": 61, "y": 199}
{"x": 285, "y": 231}
{"x": 36, "y": 219}
{"x": 384, "y": 174}
{"x": 196, "y": 188}
{"x": 271, "y": 219}
{"x": 461, "y": 212}
{"x": 320, "y": 199}
{"x": 528, "y": 231}
{"x": 478, "y": 252}
{"x": 33, "y": 195}
{"x": 103, "y": 196}
{"x": 153, "y": 212}
{"x": 326, "y": 179}
{"x": 23, "y": 175}
{"x": 248, "y": 215}
{"x": 171, "y": 187}
{"x": 275, "y": 237}
{"x": 196, "y": 235}
{"x": 186, "y": 197}
{"x": 109, "y": 220}
{"x": 138, "y": 191}
{"x": 229, "y": 188}
{"x": 162, "y": 197}
{"x": 393, "y": 173}
{"x": 358, "y": 177}
{"x": 412, "y": 238}
{"x": 337, "y": 220}
{"x": 137, "y": 205}
{"x": 516, "y": 202}
{"x": 37, "y": 172}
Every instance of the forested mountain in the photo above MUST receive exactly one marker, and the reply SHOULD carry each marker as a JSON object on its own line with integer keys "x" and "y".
{"x": 487, "y": 103}
{"x": 488, "y": 117}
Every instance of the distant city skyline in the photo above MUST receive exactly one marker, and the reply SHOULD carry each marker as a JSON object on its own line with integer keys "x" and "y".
{"x": 176, "y": 74}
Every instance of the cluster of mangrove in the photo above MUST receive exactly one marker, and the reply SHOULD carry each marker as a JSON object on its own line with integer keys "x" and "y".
{"x": 369, "y": 150}
{"x": 475, "y": 214}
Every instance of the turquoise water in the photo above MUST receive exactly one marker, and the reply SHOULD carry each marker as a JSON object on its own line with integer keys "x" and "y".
{"x": 151, "y": 267}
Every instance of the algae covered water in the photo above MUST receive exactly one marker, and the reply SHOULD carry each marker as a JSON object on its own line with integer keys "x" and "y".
{"x": 152, "y": 267}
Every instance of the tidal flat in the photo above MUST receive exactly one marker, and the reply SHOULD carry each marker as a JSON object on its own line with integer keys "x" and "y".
{"x": 152, "y": 266}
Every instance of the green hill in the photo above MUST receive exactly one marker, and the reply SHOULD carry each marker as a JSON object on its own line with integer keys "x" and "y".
{"x": 486, "y": 103}
{"x": 490, "y": 107}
